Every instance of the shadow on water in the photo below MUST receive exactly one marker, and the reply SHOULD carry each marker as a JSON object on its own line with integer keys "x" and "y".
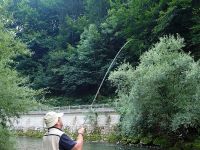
{"x": 25, "y": 143}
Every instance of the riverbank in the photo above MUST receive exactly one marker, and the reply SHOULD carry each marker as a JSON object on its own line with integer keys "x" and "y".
{"x": 149, "y": 142}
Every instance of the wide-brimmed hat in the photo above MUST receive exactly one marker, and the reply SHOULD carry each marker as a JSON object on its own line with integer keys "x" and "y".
{"x": 51, "y": 118}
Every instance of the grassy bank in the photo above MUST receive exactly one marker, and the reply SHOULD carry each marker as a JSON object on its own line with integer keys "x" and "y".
{"x": 93, "y": 136}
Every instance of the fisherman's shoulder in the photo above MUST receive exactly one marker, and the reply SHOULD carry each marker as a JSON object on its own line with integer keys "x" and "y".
{"x": 55, "y": 131}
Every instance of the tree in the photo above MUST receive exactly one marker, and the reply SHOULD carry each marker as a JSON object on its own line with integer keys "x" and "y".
{"x": 145, "y": 21}
{"x": 89, "y": 69}
{"x": 96, "y": 10}
{"x": 161, "y": 95}
{"x": 195, "y": 31}
{"x": 15, "y": 97}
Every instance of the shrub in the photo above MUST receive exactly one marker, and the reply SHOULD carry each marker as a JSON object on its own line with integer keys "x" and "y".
{"x": 162, "y": 94}
{"x": 6, "y": 139}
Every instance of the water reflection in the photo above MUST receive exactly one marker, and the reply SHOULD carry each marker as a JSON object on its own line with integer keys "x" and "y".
{"x": 25, "y": 143}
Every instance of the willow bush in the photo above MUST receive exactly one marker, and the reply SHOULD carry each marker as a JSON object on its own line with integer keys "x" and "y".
{"x": 161, "y": 96}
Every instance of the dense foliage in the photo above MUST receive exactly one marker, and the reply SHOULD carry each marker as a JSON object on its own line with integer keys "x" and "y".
{"x": 15, "y": 97}
{"x": 161, "y": 96}
{"x": 74, "y": 41}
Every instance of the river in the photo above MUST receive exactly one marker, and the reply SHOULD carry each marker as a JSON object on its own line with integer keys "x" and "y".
{"x": 25, "y": 143}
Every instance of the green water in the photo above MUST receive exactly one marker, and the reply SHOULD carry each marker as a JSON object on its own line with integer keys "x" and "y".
{"x": 25, "y": 143}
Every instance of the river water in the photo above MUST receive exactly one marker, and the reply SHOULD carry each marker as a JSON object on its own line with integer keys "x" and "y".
{"x": 25, "y": 143}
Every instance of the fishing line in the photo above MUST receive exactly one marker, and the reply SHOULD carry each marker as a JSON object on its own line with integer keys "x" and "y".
{"x": 111, "y": 65}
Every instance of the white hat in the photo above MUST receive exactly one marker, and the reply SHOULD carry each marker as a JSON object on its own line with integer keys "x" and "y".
{"x": 51, "y": 118}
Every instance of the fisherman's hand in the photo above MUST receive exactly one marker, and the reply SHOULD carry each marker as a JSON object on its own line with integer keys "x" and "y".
{"x": 81, "y": 131}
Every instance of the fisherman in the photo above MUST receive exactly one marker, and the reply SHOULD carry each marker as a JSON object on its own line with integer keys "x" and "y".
{"x": 55, "y": 138}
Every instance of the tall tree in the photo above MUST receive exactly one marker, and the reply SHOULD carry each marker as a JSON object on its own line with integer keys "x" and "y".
{"x": 15, "y": 96}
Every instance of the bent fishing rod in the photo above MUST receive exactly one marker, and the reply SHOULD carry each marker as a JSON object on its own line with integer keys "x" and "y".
{"x": 109, "y": 68}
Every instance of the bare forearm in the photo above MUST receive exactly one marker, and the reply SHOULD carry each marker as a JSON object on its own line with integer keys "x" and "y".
{"x": 79, "y": 141}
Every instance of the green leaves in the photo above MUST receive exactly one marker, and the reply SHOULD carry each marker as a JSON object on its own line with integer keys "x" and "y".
{"x": 195, "y": 30}
{"x": 96, "y": 10}
{"x": 15, "y": 97}
{"x": 6, "y": 139}
{"x": 8, "y": 49}
{"x": 162, "y": 93}
{"x": 73, "y": 41}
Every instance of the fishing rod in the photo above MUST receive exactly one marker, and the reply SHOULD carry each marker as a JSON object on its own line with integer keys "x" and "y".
{"x": 109, "y": 68}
